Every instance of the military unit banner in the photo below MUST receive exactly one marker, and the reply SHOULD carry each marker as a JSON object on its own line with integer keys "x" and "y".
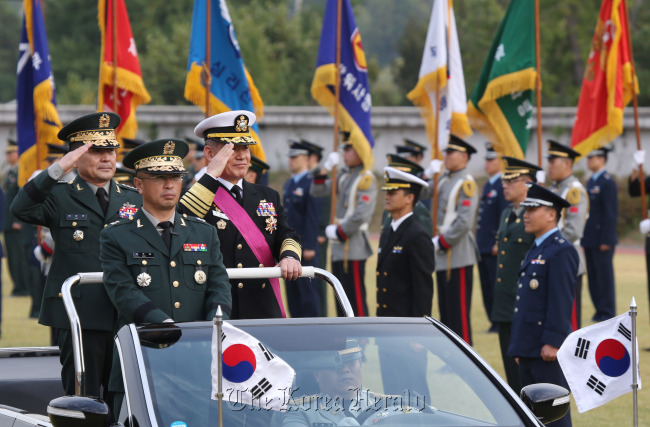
{"x": 608, "y": 81}
{"x": 441, "y": 84}
{"x": 501, "y": 104}
{"x": 131, "y": 91}
{"x": 355, "y": 101}
{"x": 231, "y": 86}
{"x": 37, "y": 118}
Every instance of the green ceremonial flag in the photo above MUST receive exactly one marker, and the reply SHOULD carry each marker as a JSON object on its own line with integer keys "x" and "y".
{"x": 501, "y": 104}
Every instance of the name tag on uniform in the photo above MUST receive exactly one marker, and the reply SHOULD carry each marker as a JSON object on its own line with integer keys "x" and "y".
{"x": 538, "y": 261}
{"x": 143, "y": 255}
{"x": 195, "y": 247}
{"x": 397, "y": 249}
{"x": 76, "y": 217}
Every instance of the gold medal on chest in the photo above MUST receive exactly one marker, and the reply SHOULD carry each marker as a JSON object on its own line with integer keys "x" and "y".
{"x": 221, "y": 224}
{"x": 200, "y": 277}
{"x": 78, "y": 235}
{"x": 271, "y": 224}
{"x": 143, "y": 280}
{"x": 534, "y": 284}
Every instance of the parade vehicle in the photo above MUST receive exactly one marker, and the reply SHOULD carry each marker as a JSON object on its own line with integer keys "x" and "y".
{"x": 168, "y": 380}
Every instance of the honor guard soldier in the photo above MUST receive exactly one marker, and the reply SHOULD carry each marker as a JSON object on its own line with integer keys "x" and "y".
{"x": 599, "y": 239}
{"x": 250, "y": 220}
{"x": 573, "y": 219}
{"x": 257, "y": 169}
{"x": 75, "y": 212}
{"x": 160, "y": 266}
{"x": 634, "y": 190}
{"x": 405, "y": 265}
{"x": 303, "y": 215}
{"x": 456, "y": 251}
{"x": 512, "y": 244}
{"x": 411, "y": 150}
{"x": 420, "y": 211}
{"x": 348, "y": 236}
{"x": 545, "y": 292}
{"x": 490, "y": 207}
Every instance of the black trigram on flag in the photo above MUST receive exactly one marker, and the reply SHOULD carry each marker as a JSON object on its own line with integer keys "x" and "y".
{"x": 261, "y": 388}
{"x": 223, "y": 336}
{"x": 625, "y": 331}
{"x": 266, "y": 351}
{"x": 582, "y": 349}
{"x": 596, "y": 385}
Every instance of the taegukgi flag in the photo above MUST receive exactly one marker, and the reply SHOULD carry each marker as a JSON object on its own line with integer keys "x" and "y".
{"x": 252, "y": 374}
{"x": 597, "y": 362}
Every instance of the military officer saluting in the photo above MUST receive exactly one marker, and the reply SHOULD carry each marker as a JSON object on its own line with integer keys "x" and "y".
{"x": 249, "y": 218}
{"x": 512, "y": 244}
{"x": 573, "y": 219}
{"x": 545, "y": 293}
{"x": 76, "y": 212}
{"x": 456, "y": 251}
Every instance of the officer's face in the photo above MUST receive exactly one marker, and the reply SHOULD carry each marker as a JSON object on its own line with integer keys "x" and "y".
{"x": 559, "y": 168}
{"x": 455, "y": 160}
{"x": 397, "y": 200}
{"x": 344, "y": 382}
{"x": 12, "y": 157}
{"x": 97, "y": 165}
{"x": 514, "y": 190}
{"x": 539, "y": 220}
{"x": 492, "y": 166}
{"x": 350, "y": 157}
{"x": 298, "y": 163}
{"x": 159, "y": 192}
{"x": 595, "y": 163}
{"x": 237, "y": 165}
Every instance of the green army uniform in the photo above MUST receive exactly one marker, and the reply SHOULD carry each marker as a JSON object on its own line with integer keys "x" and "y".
{"x": 75, "y": 218}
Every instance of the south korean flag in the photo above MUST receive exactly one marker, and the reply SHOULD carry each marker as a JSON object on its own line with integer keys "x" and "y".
{"x": 597, "y": 362}
{"x": 252, "y": 374}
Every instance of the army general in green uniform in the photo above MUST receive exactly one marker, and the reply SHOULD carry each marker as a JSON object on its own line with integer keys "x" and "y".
{"x": 75, "y": 212}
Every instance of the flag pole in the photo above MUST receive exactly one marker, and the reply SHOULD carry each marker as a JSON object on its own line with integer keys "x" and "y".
{"x": 635, "y": 380}
{"x": 538, "y": 85}
{"x": 337, "y": 96}
{"x": 635, "y": 103}
{"x": 114, "y": 13}
{"x": 208, "y": 75}
{"x": 434, "y": 155}
{"x": 218, "y": 321}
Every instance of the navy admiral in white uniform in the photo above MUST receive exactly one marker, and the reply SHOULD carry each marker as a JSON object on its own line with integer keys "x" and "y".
{"x": 546, "y": 287}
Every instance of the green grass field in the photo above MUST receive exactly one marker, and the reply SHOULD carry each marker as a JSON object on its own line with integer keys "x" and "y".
{"x": 19, "y": 330}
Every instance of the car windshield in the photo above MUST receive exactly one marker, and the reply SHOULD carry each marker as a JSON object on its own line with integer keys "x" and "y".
{"x": 347, "y": 373}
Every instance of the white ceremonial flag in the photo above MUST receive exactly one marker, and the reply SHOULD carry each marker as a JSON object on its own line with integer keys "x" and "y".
{"x": 597, "y": 362}
{"x": 252, "y": 375}
{"x": 441, "y": 76}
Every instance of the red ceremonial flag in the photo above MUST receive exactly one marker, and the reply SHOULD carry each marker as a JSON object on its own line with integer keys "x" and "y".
{"x": 608, "y": 81}
{"x": 130, "y": 87}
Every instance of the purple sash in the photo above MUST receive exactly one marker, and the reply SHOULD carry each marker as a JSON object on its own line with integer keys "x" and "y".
{"x": 253, "y": 236}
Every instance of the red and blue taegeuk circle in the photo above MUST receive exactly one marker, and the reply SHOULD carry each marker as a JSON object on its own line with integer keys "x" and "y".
{"x": 238, "y": 363}
{"x": 612, "y": 358}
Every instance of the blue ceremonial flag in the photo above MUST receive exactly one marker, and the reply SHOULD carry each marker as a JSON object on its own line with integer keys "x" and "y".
{"x": 231, "y": 86}
{"x": 37, "y": 119}
{"x": 355, "y": 101}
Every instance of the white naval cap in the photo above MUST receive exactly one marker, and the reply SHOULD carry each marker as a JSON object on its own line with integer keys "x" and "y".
{"x": 231, "y": 126}
{"x": 396, "y": 179}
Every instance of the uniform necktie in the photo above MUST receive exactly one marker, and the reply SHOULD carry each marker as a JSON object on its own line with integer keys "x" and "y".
{"x": 513, "y": 217}
{"x": 102, "y": 198}
{"x": 235, "y": 191}
{"x": 166, "y": 233}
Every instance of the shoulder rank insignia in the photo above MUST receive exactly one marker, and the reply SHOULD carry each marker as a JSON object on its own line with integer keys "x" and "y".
{"x": 469, "y": 188}
{"x": 266, "y": 209}
{"x": 573, "y": 196}
{"x": 195, "y": 247}
{"x": 127, "y": 211}
{"x": 271, "y": 224}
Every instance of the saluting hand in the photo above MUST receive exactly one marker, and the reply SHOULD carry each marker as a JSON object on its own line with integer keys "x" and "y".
{"x": 219, "y": 161}
{"x": 291, "y": 268}
{"x": 69, "y": 161}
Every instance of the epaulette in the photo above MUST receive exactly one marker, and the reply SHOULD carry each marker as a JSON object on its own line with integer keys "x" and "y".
{"x": 469, "y": 188}
{"x": 65, "y": 182}
{"x": 573, "y": 196}
{"x": 127, "y": 187}
{"x": 559, "y": 240}
{"x": 194, "y": 218}
{"x": 116, "y": 223}
{"x": 366, "y": 181}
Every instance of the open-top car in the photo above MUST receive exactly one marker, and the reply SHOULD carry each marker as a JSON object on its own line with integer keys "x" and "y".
{"x": 401, "y": 371}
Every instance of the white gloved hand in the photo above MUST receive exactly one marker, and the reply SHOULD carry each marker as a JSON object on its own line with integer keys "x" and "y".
{"x": 332, "y": 161}
{"x": 330, "y": 232}
{"x": 541, "y": 177}
{"x": 436, "y": 243}
{"x": 644, "y": 226}
{"x": 639, "y": 157}
{"x": 434, "y": 167}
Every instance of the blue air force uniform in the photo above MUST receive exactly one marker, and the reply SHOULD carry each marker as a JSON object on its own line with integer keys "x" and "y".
{"x": 600, "y": 229}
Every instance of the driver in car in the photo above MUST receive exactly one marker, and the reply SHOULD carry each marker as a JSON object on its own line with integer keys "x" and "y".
{"x": 342, "y": 400}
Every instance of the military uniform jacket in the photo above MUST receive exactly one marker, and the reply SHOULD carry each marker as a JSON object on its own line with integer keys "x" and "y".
{"x": 72, "y": 213}
{"x": 355, "y": 204}
{"x": 303, "y": 210}
{"x": 545, "y": 293}
{"x": 405, "y": 265}
{"x": 513, "y": 243}
{"x": 253, "y": 298}
{"x": 10, "y": 186}
{"x": 574, "y": 218}
{"x": 490, "y": 207}
{"x": 458, "y": 246}
{"x": 422, "y": 216}
{"x": 149, "y": 283}
{"x": 600, "y": 228}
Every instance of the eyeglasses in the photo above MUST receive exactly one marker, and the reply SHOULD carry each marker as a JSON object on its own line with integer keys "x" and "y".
{"x": 162, "y": 179}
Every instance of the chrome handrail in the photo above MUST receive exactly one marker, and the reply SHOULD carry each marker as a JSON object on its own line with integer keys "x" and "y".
{"x": 233, "y": 273}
